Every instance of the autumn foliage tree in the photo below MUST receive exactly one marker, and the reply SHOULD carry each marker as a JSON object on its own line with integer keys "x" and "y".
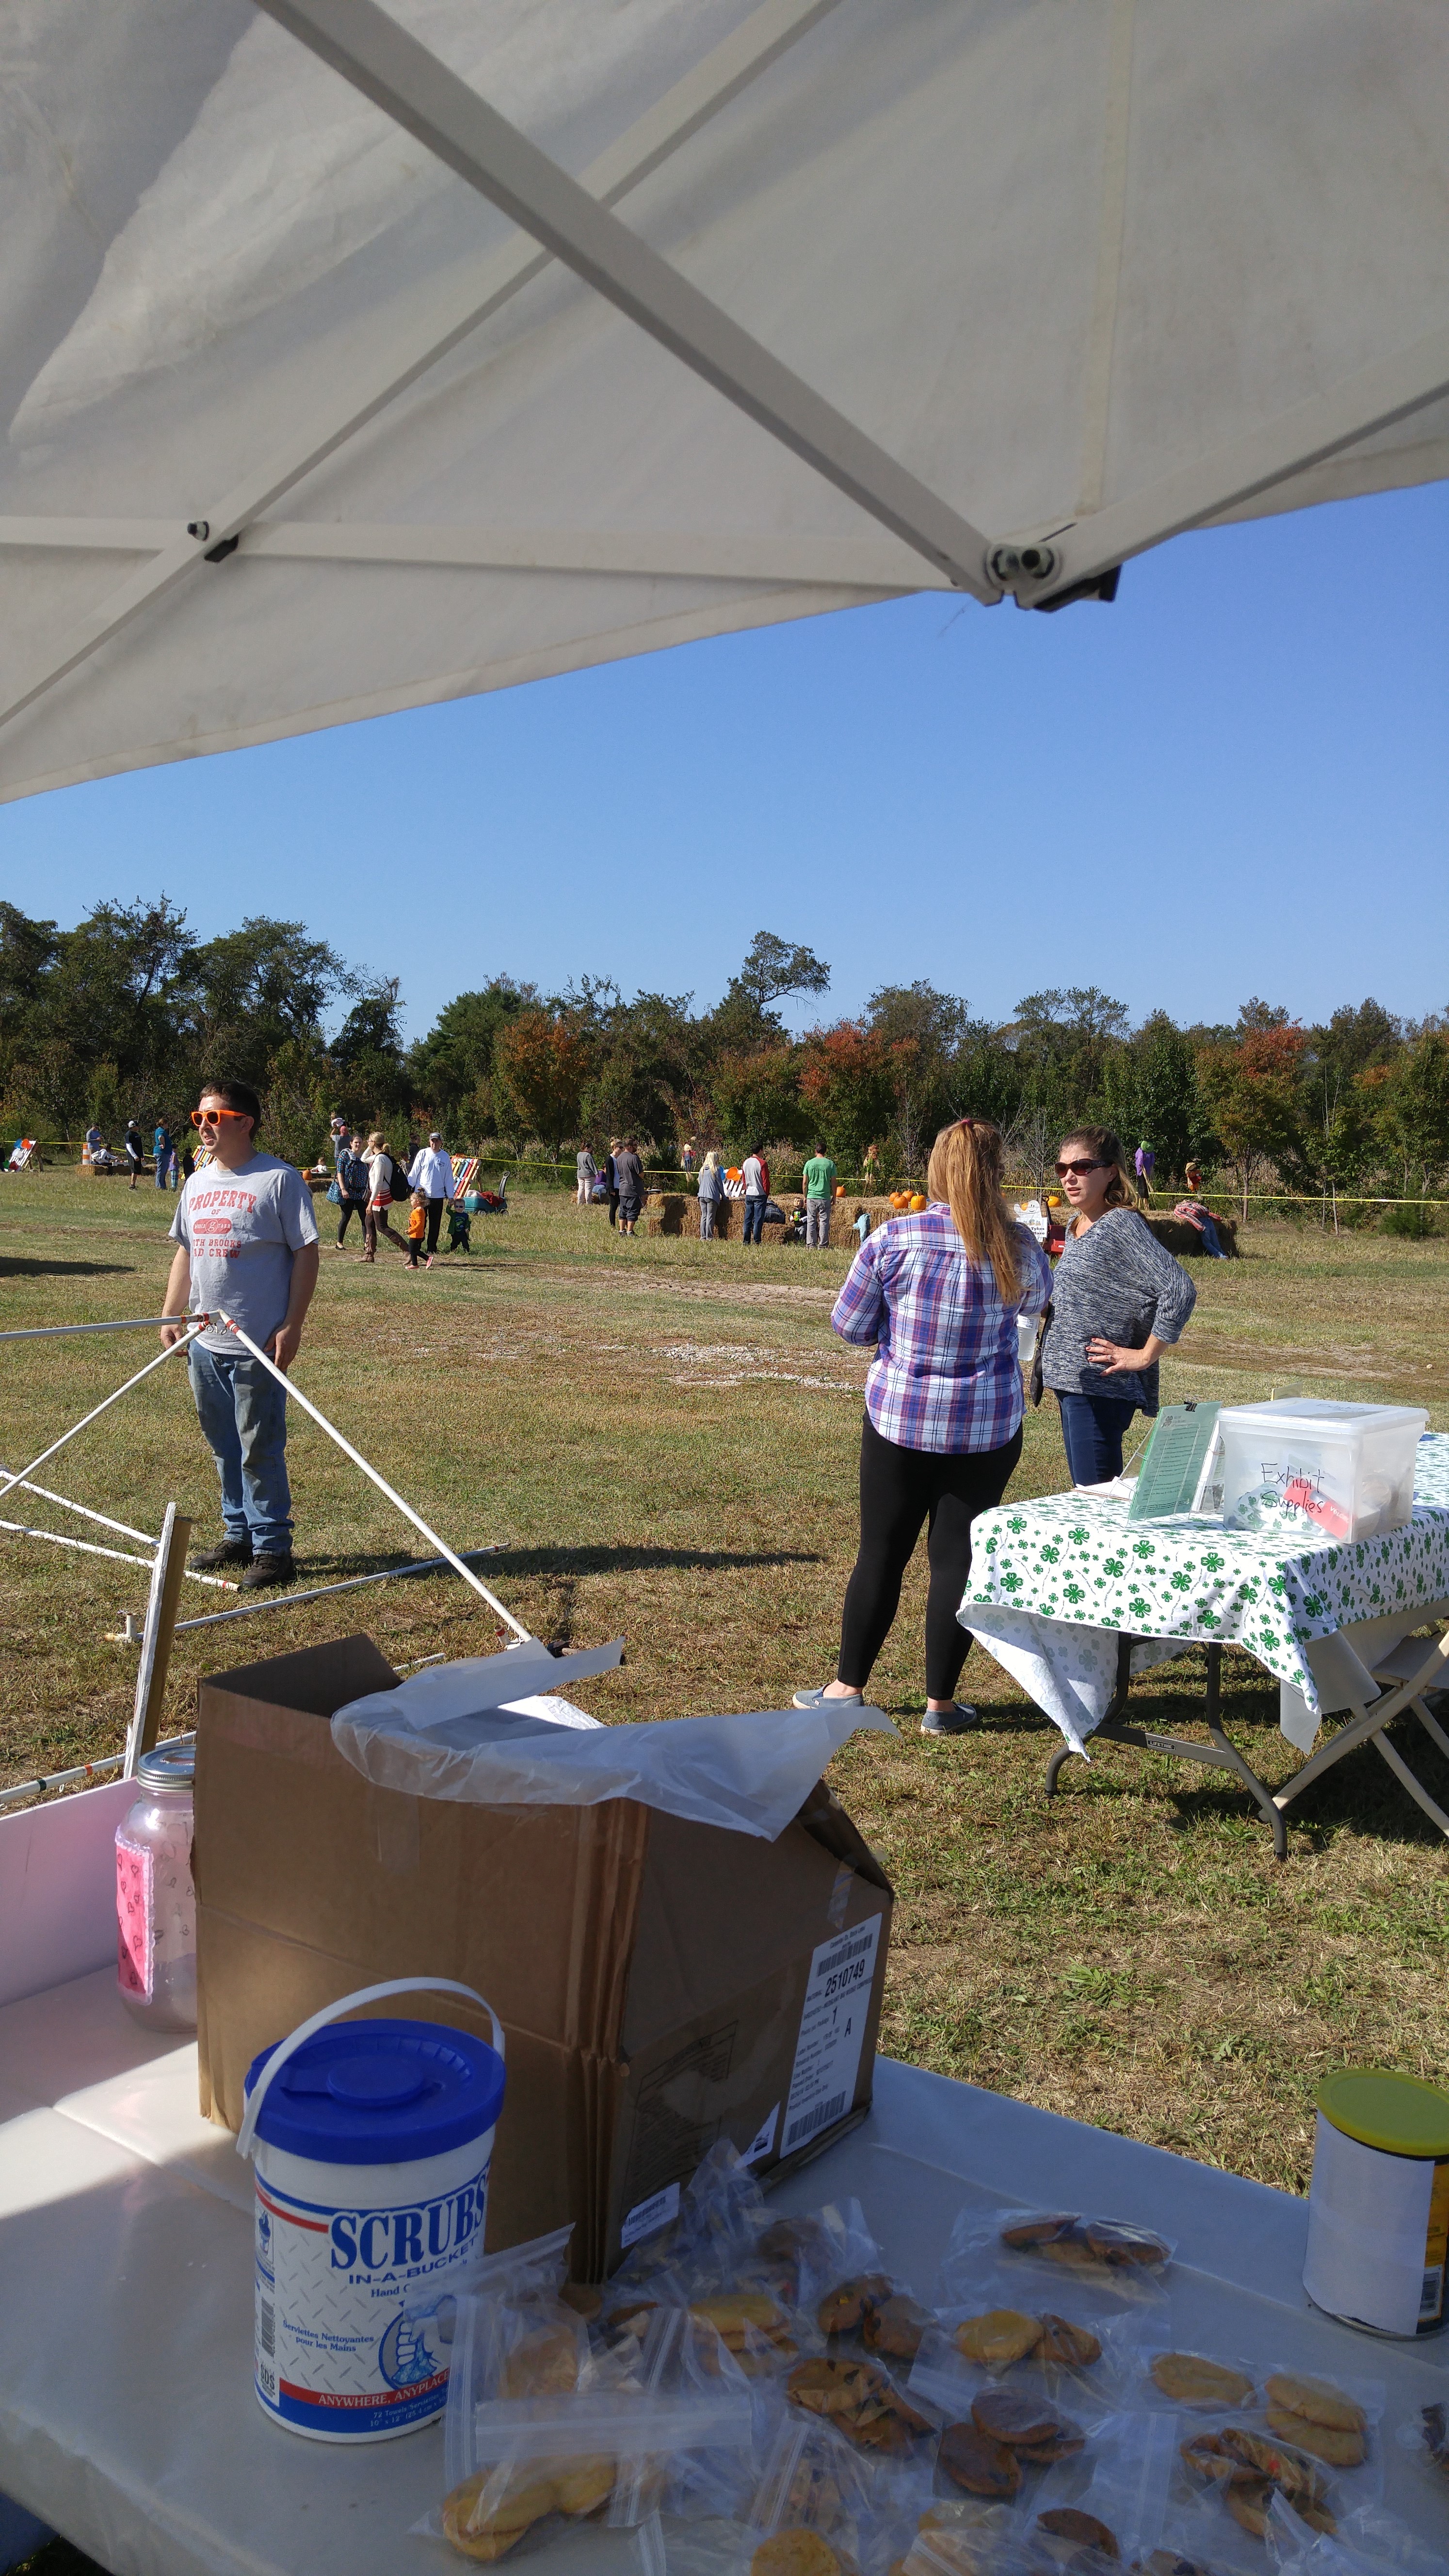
{"x": 543, "y": 1062}
{"x": 1254, "y": 1094}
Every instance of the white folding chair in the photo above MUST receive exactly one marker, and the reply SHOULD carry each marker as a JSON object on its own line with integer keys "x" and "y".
{"x": 1403, "y": 1675}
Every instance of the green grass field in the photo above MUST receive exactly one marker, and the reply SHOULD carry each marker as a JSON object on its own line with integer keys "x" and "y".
{"x": 661, "y": 1438}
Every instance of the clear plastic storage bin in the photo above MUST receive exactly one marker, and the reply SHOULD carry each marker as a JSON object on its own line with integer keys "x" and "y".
{"x": 1340, "y": 1471}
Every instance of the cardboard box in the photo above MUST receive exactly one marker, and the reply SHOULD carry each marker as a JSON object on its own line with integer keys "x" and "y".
{"x": 662, "y": 1984}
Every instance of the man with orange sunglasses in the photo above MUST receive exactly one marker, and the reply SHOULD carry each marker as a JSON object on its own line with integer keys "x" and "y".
{"x": 246, "y": 1244}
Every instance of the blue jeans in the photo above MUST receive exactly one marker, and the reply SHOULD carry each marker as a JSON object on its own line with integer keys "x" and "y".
{"x": 243, "y": 1414}
{"x": 1210, "y": 1243}
{"x": 754, "y": 1220}
{"x": 1093, "y": 1430}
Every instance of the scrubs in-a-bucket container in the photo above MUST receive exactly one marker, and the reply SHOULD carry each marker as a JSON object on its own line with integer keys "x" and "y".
{"x": 372, "y": 2143}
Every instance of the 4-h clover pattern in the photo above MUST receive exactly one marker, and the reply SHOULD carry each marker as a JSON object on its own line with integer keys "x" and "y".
{"x": 1078, "y": 1558}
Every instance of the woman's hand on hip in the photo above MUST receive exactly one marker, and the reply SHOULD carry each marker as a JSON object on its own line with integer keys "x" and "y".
{"x": 1115, "y": 1360}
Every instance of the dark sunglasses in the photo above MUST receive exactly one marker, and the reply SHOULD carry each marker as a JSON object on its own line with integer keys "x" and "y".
{"x": 1062, "y": 1169}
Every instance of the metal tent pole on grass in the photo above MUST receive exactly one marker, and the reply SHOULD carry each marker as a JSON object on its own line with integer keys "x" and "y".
{"x": 525, "y": 1635}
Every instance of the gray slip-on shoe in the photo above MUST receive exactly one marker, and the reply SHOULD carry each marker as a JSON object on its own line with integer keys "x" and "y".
{"x": 837, "y": 1699}
{"x": 956, "y": 1720}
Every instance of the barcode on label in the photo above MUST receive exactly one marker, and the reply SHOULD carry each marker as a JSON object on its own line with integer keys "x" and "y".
{"x": 819, "y": 2116}
{"x": 853, "y": 1948}
{"x": 268, "y": 2328}
{"x": 1432, "y": 2295}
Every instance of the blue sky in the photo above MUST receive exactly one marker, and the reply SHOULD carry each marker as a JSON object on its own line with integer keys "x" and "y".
{"x": 1232, "y": 781}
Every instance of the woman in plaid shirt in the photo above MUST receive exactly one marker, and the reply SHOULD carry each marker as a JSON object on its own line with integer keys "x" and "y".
{"x": 939, "y": 1296}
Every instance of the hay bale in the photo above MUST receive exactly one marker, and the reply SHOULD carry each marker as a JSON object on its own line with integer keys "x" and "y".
{"x": 1177, "y": 1236}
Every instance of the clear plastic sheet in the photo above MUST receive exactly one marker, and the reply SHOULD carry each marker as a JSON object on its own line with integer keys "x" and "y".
{"x": 445, "y": 1733}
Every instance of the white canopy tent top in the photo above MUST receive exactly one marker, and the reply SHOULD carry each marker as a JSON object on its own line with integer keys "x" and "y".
{"x": 329, "y": 389}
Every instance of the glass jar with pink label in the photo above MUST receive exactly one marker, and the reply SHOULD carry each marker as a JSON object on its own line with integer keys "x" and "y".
{"x": 155, "y": 1899}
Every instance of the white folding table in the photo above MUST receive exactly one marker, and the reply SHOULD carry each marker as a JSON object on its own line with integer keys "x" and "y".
{"x": 127, "y": 2418}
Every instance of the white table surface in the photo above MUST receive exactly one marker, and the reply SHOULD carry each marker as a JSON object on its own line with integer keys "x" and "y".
{"x": 127, "y": 2419}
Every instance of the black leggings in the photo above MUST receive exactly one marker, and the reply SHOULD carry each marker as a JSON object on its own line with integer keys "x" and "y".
{"x": 900, "y": 1488}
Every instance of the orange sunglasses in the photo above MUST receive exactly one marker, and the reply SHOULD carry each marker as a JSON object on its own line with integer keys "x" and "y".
{"x": 214, "y": 1117}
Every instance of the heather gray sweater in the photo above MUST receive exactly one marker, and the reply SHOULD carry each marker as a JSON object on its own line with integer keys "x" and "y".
{"x": 1115, "y": 1280}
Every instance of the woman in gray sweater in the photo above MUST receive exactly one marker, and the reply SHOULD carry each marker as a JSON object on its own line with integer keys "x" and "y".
{"x": 1118, "y": 1302}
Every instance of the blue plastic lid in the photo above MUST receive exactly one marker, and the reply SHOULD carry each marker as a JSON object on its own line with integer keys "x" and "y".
{"x": 380, "y": 2092}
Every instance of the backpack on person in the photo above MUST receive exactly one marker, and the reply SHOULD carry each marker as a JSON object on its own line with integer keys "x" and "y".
{"x": 352, "y": 1175}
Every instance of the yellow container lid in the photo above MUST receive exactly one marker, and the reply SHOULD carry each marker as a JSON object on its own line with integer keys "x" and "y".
{"x": 1395, "y": 2113}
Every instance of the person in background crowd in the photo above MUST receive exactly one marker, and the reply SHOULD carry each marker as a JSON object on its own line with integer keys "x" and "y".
{"x": 188, "y": 1162}
{"x": 418, "y": 1228}
{"x": 95, "y": 1143}
{"x": 938, "y": 1294}
{"x": 246, "y": 1241}
{"x": 711, "y": 1191}
{"x": 432, "y": 1173}
{"x": 588, "y": 1172}
{"x": 135, "y": 1151}
{"x": 1119, "y": 1300}
{"x": 164, "y": 1152}
{"x": 354, "y": 1186}
{"x": 757, "y": 1190}
{"x": 386, "y": 1181}
{"x": 686, "y": 1156}
{"x": 1145, "y": 1163}
{"x": 819, "y": 1179}
{"x": 611, "y": 1179}
{"x": 629, "y": 1179}
{"x": 341, "y": 1135}
{"x": 1192, "y": 1212}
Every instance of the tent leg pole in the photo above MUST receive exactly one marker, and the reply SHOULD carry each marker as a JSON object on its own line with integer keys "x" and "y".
{"x": 156, "y": 1638}
{"x": 525, "y": 1635}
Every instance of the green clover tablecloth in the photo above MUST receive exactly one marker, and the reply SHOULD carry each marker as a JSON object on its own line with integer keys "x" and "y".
{"x": 1054, "y": 1582}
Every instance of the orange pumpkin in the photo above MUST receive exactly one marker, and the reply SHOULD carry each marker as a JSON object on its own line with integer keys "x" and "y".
{"x": 900, "y": 1200}
{"x": 918, "y": 1204}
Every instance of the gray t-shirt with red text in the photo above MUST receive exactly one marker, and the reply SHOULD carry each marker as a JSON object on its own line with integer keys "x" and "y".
{"x": 242, "y": 1230}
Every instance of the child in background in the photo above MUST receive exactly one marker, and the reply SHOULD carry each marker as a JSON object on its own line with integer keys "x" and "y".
{"x": 417, "y": 1230}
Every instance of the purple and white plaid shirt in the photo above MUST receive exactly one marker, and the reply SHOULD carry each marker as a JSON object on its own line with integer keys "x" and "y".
{"x": 946, "y": 1376}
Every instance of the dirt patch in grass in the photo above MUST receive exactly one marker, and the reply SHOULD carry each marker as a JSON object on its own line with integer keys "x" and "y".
{"x": 661, "y": 1438}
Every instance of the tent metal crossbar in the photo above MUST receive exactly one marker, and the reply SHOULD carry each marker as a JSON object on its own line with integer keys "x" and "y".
{"x": 68, "y": 1332}
{"x": 325, "y": 1591}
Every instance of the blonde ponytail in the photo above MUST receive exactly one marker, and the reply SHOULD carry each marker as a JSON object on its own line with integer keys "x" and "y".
{"x": 965, "y": 1171}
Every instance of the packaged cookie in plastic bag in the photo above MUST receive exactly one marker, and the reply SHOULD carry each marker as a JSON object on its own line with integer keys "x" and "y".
{"x": 1310, "y": 2442}
{"x": 1425, "y": 2437}
{"x": 711, "y": 2236}
{"x": 1112, "y": 2498}
{"x": 1197, "y": 2383}
{"x": 545, "y": 2429}
{"x": 1072, "y": 2353}
{"x": 1000, "y": 2448}
{"x": 1124, "y": 2262}
{"x": 1370, "y": 2541}
{"x": 961, "y": 2537}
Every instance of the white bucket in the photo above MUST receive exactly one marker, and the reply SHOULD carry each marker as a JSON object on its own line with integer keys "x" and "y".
{"x": 372, "y": 2154}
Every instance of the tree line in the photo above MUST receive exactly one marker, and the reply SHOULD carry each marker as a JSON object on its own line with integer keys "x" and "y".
{"x": 123, "y": 1014}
